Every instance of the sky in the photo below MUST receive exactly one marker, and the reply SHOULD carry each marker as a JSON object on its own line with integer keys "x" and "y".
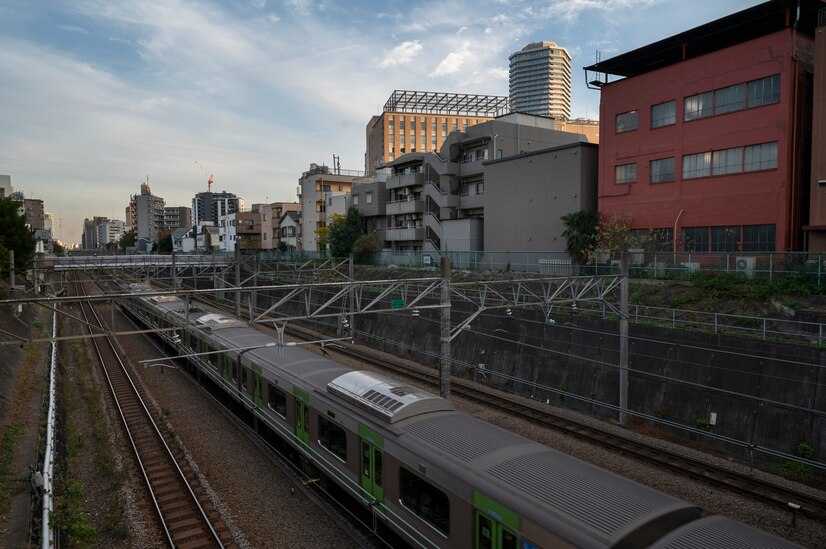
{"x": 96, "y": 96}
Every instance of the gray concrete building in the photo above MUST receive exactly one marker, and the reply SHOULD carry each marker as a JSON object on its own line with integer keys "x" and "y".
{"x": 498, "y": 186}
{"x": 211, "y": 206}
{"x": 528, "y": 193}
{"x": 177, "y": 217}
{"x": 5, "y": 186}
{"x": 149, "y": 218}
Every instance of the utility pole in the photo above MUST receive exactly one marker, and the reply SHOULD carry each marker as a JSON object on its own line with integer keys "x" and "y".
{"x": 237, "y": 278}
{"x": 623, "y": 340}
{"x": 444, "y": 365}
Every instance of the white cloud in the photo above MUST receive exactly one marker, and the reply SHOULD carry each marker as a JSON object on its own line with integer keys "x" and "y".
{"x": 258, "y": 3}
{"x": 570, "y": 10}
{"x": 402, "y": 54}
{"x": 453, "y": 62}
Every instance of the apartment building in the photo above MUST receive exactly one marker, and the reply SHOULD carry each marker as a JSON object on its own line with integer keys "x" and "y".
{"x": 109, "y": 233}
{"x": 419, "y": 121}
{"x": 707, "y": 134}
{"x": 149, "y": 218}
{"x": 540, "y": 80}
{"x": 5, "y": 186}
{"x": 90, "y": 236}
{"x": 33, "y": 210}
{"x": 210, "y": 206}
{"x": 272, "y": 214}
{"x": 317, "y": 188}
{"x": 177, "y": 217}
{"x": 488, "y": 188}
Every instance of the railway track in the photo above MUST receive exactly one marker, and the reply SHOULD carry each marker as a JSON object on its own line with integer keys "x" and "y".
{"x": 174, "y": 489}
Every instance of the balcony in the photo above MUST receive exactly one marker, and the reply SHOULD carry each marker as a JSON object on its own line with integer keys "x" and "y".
{"x": 399, "y": 234}
{"x": 471, "y": 201}
{"x": 404, "y": 206}
{"x": 398, "y": 181}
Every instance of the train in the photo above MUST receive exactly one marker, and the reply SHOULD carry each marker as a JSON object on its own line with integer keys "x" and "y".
{"x": 435, "y": 476}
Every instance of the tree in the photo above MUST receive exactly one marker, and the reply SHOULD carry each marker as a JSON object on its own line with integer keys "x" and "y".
{"x": 580, "y": 235}
{"x": 58, "y": 249}
{"x": 322, "y": 237}
{"x": 344, "y": 231}
{"x": 365, "y": 248}
{"x": 14, "y": 235}
{"x": 614, "y": 235}
{"x": 165, "y": 245}
{"x": 127, "y": 240}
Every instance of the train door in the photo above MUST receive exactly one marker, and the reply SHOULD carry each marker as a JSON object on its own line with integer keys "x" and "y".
{"x": 496, "y": 526}
{"x": 493, "y": 535}
{"x": 302, "y": 416}
{"x": 371, "y": 464}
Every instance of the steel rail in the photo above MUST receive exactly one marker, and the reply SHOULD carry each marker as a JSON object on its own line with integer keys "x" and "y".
{"x": 167, "y": 454}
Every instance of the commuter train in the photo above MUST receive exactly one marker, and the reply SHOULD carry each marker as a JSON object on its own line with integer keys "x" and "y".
{"x": 435, "y": 476}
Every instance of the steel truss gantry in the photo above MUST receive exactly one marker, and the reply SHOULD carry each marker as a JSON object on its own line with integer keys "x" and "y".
{"x": 358, "y": 297}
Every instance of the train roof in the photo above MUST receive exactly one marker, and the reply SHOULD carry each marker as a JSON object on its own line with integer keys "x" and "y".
{"x": 719, "y": 532}
{"x": 381, "y": 396}
{"x": 586, "y": 501}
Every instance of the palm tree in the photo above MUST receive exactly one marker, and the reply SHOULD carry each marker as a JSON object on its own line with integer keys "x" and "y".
{"x": 580, "y": 234}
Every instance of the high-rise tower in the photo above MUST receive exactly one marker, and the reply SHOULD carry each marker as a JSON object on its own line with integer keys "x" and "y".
{"x": 540, "y": 80}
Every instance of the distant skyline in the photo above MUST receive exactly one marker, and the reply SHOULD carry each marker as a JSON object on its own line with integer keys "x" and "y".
{"x": 96, "y": 95}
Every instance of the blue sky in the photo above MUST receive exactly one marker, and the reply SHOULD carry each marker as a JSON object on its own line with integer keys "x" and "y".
{"x": 96, "y": 95}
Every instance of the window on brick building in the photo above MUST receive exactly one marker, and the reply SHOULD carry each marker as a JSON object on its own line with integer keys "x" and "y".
{"x": 662, "y": 170}
{"x": 729, "y": 99}
{"x": 761, "y": 157}
{"x": 697, "y": 165}
{"x": 764, "y": 91}
{"x": 626, "y": 121}
{"x": 625, "y": 173}
{"x": 697, "y": 106}
{"x": 664, "y": 114}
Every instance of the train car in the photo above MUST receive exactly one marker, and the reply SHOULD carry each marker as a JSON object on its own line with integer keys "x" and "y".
{"x": 436, "y": 476}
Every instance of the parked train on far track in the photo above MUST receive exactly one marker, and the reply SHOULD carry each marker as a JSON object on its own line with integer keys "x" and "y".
{"x": 436, "y": 476}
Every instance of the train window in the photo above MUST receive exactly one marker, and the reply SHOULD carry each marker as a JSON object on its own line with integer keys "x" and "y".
{"x": 332, "y": 437}
{"x": 277, "y": 401}
{"x": 234, "y": 371}
{"x": 425, "y": 500}
{"x": 243, "y": 377}
{"x": 215, "y": 360}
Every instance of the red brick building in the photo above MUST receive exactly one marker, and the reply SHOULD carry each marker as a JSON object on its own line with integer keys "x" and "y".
{"x": 707, "y": 135}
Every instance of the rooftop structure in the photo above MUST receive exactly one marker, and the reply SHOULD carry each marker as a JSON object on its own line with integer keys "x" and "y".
{"x": 446, "y": 103}
{"x": 417, "y": 121}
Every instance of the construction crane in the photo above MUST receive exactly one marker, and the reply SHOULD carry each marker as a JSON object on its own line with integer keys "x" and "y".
{"x": 209, "y": 175}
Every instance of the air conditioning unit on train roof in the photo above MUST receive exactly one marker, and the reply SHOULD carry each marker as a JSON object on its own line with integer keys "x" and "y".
{"x": 745, "y": 265}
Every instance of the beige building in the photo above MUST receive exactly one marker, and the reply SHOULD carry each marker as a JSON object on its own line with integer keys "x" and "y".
{"x": 318, "y": 187}
{"x": 585, "y": 126}
{"x": 416, "y": 121}
{"x": 271, "y": 219}
{"x": 540, "y": 80}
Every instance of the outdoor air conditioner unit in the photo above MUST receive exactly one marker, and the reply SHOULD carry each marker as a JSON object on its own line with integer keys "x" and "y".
{"x": 745, "y": 265}
{"x": 691, "y": 266}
